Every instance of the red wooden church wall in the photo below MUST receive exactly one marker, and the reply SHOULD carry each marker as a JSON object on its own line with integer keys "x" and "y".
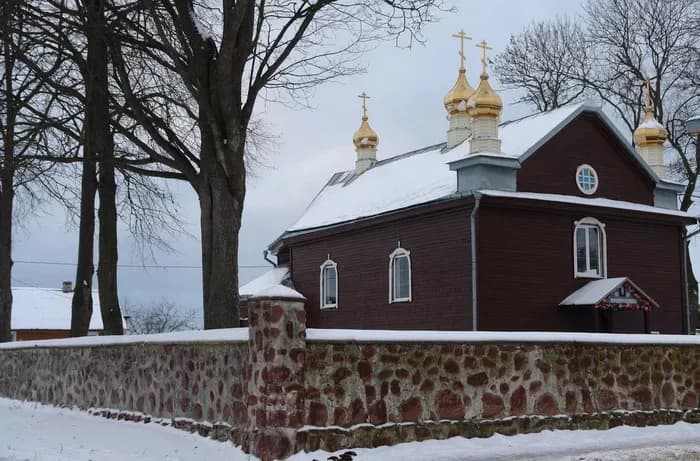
{"x": 441, "y": 273}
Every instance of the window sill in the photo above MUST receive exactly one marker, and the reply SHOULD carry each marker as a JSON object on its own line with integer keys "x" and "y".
{"x": 589, "y": 276}
{"x": 329, "y": 308}
{"x": 402, "y": 300}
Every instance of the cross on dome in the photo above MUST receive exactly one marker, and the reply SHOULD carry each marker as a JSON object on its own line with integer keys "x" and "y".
{"x": 365, "y": 137}
{"x": 650, "y": 132}
{"x": 364, "y": 98}
{"x": 462, "y": 37}
{"x": 647, "y": 84}
{"x": 484, "y": 46}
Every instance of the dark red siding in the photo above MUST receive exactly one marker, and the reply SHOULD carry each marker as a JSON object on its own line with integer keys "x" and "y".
{"x": 526, "y": 268}
{"x": 586, "y": 140}
{"x": 441, "y": 277}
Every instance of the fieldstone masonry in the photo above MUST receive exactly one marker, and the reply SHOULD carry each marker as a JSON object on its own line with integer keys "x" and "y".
{"x": 281, "y": 392}
{"x": 277, "y": 345}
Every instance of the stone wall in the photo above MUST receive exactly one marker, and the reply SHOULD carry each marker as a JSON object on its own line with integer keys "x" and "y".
{"x": 202, "y": 382}
{"x": 379, "y": 383}
{"x": 288, "y": 388}
{"x": 355, "y": 384}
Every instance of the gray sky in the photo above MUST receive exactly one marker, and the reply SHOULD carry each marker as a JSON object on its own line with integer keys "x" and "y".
{"x": 406, "y": 89}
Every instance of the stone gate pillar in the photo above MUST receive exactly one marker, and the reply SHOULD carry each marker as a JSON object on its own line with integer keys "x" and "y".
{"x": 277, "y": 354}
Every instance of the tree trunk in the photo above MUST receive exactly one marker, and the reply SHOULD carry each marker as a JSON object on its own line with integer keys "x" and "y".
{"x": 82, "y": 294}
{"x": 108, "y": 252}
{"x": 107, "y": 188}
{"x": 221, "y": 204}
{"x": 7, "y": 171}
{"x": 6, "y": 201}
{"x": 95, "y": 86}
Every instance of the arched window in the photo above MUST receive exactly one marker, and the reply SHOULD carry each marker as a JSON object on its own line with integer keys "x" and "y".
{"x": 400, "y": 276}
{"x": 329, "y": 285}
{"x": 590, "y": 249}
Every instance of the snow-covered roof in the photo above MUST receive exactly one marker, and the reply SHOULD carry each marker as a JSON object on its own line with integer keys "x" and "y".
{"x": 274, "y": 277}
{"x": 47, "y": 309}
{"x": 596, "y": 291}
{"x": 595, "y": 202}
{"x": 423, "y": 176}
{"x": 279, "y": 291}
{"x": 592, "y": 292}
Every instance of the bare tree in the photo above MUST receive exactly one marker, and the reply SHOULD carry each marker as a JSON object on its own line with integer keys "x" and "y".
{"x": 161, "y": 317}
{"x": 73, "y": 35}
{"x": 24, "y": 105}
{"x": 539, "y": 61}
{"x": 225, "y": 57}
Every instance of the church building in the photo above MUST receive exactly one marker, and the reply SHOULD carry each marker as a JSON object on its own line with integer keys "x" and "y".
{"x": 553, "y": 222}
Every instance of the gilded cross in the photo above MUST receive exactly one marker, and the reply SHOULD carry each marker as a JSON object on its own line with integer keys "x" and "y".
{"x": 462, "y": 37}
{"x": 484, "y": 46}
{"x": 647, "y": 83}
{"x": 364, "y": 103}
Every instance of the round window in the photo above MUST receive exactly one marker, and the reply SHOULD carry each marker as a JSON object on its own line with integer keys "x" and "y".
{"x": 587, "y": 179}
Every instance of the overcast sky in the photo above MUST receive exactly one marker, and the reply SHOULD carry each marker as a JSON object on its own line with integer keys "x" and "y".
{"x": 406, "y": 89}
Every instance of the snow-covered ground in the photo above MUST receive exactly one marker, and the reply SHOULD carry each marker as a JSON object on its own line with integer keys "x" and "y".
{"x": 680, "y": 441}
{"x": 32, "y": 432}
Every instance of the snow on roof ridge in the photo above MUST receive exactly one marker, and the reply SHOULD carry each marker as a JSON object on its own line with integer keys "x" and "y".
{"x": 418, "y": 151}
{"x": 567, "y": 107}
{"x": 589, "y": 201}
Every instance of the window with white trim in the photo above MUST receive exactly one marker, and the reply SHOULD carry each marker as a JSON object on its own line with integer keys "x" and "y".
{"x": 589, "y": 248}
{"x": 586, "y": 179}
{"x": 329, "y": 285}
{"x": 400, "y": 276}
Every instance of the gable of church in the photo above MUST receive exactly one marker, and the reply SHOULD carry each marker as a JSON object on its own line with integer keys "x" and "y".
{"x": 586, "y": 140}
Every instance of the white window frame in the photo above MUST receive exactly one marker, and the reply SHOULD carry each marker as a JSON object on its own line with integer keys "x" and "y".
{"x": 400, "y": 252}
{"x": 595, "y": 175}
{"x": 326, "y": 265}
{"x": 589, "y": 222}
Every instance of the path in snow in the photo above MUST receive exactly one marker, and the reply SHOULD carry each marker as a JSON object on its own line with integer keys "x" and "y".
{"x": 34, "y": 432}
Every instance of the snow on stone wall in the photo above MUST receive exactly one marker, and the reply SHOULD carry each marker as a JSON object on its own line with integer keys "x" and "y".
{"x": 281, "y": 391}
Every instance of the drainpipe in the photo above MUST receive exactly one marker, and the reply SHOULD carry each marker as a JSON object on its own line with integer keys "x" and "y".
{"x": 472, "y": 220}
{"x": 266, "y": 252}
{"x": 685, "y": 241}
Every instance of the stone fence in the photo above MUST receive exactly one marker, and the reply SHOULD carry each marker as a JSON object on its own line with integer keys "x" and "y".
{"x": 276, "y": 388}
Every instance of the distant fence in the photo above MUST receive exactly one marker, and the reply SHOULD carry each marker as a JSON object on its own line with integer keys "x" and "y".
{"x": 276, "y": 388}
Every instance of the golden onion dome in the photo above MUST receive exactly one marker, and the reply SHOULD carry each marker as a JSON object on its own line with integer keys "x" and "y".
{"x": 456, "y": 99}
{"x": 365, "y": 137}
{"x": 650, "y": 131}
{"x": 485, "y": 102}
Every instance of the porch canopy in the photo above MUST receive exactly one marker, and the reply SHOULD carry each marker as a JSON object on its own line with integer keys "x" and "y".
{"x": 615, "y": 294}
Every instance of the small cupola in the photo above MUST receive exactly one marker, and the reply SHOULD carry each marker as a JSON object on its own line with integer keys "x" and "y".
{"x": 485, "y": 108}
{"x": 455, "y": 101}
{"x": 650, "y": 137}
{"x": 366, "y": 141}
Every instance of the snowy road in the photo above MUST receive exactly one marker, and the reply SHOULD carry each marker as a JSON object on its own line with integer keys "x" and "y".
{"x": 31, "y": 432}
